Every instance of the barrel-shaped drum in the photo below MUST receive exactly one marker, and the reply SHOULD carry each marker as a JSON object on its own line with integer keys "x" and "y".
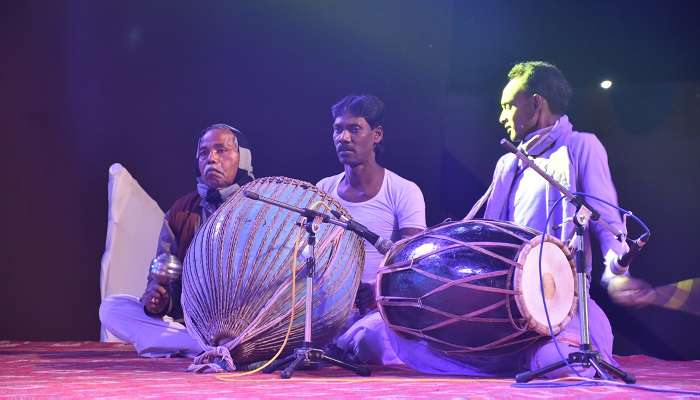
{"x": 237, "y": 272}
{"x": 472, "y": 288}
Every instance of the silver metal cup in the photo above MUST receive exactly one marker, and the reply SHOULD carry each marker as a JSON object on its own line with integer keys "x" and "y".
{"x": 165, "y": 269}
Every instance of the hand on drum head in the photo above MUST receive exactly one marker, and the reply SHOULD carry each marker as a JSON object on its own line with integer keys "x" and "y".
{"x": 631, "y": 292}
{"x": 155, "y": 299}
{"x": 365, "y": 299}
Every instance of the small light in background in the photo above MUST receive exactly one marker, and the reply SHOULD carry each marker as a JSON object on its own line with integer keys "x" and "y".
{"x": 606, "y": 84}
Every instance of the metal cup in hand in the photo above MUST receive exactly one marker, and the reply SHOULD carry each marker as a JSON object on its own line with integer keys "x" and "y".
{"x": 165, "y": 269}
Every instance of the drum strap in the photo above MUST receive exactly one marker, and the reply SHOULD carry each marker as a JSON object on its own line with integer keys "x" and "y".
{"x": 480, "y": 203}
{"x": 541, "y": 143}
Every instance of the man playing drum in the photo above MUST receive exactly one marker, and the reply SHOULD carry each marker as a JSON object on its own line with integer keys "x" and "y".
{"x": 534, "y": 104}
{"x": 154, "y": 323}
{"x": 389, "y": 205}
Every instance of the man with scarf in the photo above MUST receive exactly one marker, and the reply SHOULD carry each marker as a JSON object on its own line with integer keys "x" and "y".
{"x": 534, "y": 104}
{"x": 154, "y": 323}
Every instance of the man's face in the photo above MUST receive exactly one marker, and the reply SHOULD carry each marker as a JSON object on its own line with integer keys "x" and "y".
{"x": 354, "y": 139}
{"x": 218, "y": 158}
{"x": 518, "y": 114}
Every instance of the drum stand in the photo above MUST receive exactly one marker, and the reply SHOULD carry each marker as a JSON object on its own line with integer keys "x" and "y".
{"x": 586, "y": 355}
{"x": 306, "y": 356}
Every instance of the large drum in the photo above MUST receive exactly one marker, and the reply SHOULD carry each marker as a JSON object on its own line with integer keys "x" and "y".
{"x": 237, "y": 276}
{"x": 472, "y": 288}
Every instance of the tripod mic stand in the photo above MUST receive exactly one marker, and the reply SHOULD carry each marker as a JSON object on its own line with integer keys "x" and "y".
{"x": 306, "y": 356}
{"x": 586, "y": 355}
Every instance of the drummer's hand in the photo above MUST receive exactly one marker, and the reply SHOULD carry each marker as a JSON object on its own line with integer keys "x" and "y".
{"x": 610, "y": 265}
{"x": 155, "y": 299}
{"x": 631, "y": 292}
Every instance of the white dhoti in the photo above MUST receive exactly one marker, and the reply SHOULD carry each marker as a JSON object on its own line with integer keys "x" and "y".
{"x": 123, "y": 315}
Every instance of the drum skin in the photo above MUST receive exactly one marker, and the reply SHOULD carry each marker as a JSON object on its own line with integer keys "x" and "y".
{"x": 237, "y": 273}
{"x": 455, "y": 287}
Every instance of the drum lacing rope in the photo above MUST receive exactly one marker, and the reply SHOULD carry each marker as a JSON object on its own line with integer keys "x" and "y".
{"x": 496, "y": 344}
{"x": 456, "y": 244}
{"x": 219, "y": 358}
{"x": 464, "y": 282}
{"x": 509, "y": 308}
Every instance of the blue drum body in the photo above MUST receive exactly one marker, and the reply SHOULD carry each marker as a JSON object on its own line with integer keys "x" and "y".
{"x": 471, "y": 288}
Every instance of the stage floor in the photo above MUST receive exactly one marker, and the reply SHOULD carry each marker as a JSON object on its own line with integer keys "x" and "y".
{"x": 109, "y": 371}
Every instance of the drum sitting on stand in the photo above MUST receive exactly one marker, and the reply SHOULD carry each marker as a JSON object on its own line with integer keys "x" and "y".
{"x": 472, "y": 288}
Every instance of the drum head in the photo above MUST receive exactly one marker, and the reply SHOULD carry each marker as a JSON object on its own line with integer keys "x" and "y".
{"x": 558, "y": 285}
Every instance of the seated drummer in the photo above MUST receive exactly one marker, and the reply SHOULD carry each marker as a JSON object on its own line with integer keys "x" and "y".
{"x": 154, "y": 323}
{"x": 534, "y": 104}
{"x": 389, "y": 205}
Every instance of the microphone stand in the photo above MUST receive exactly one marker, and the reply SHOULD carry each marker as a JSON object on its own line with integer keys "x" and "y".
{"x": 586, "y": 355}
{"x": 306, "y": 356}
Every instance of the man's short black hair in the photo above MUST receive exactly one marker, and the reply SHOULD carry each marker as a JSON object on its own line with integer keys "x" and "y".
{"x": 546, "y": 80}
{"x": 366, "y": 106}
{"x": 369, "y": 107}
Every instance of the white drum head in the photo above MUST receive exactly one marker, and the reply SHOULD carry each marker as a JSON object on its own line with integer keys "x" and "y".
{"x": 558, "y": 283}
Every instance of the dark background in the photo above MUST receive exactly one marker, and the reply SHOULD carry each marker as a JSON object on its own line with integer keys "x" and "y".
{"x": 84, "y": 84}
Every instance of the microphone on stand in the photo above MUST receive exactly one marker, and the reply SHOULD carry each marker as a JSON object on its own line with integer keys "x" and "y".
{"x": 624, "y": 261}
{"x": 382, "y": 245}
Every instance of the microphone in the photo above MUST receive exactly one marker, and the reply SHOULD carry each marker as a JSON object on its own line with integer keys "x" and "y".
{"x": 623, "y": 262}
{"x": 382, "y": 245}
